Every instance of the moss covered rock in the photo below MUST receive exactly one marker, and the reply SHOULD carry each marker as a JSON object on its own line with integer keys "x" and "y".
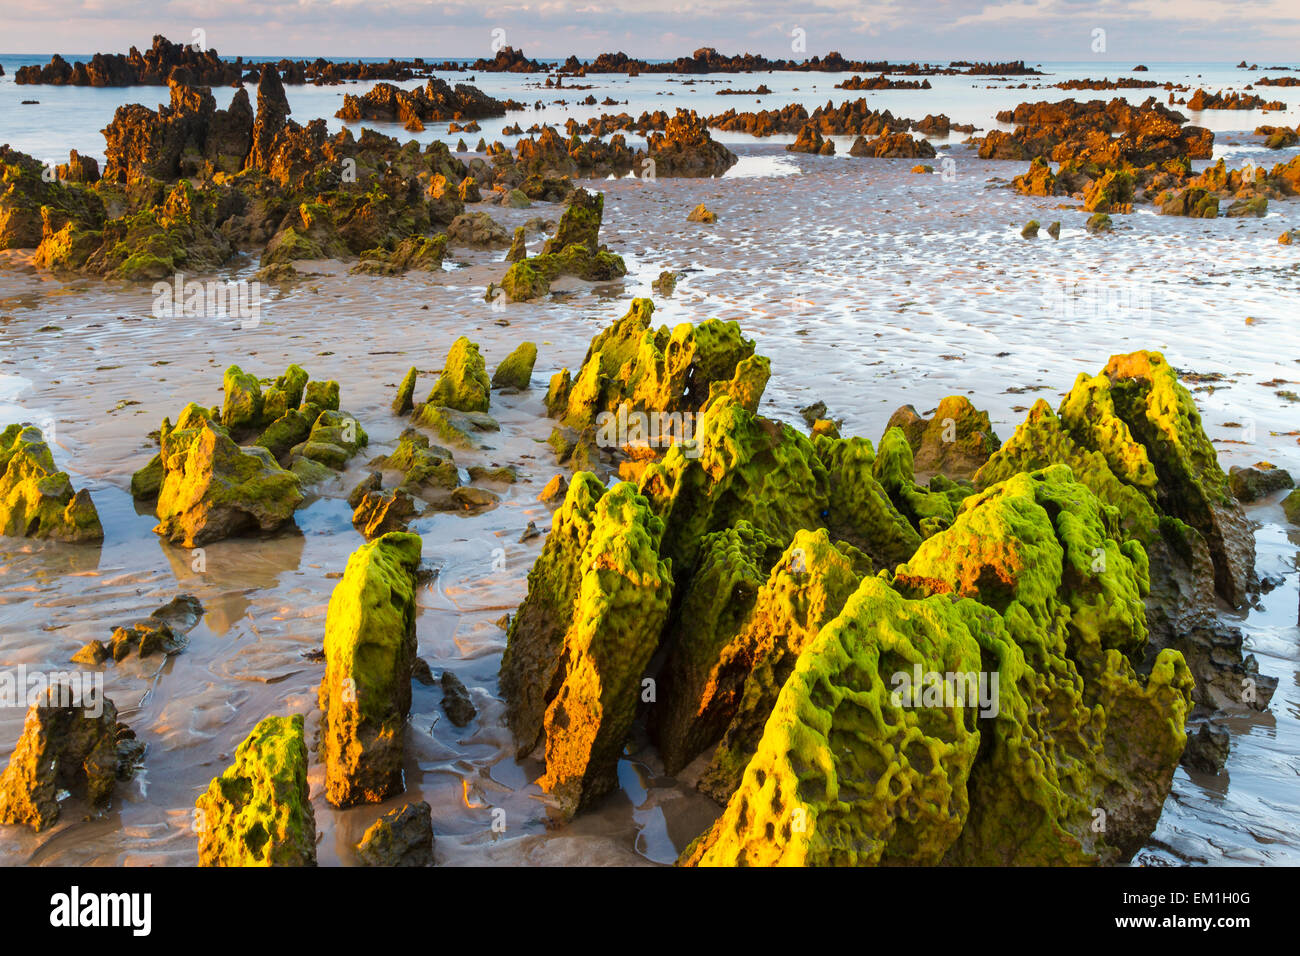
{"x": 598, "y": 598}
{"x": 36, "y": 499}
{"x": 574, "y": 250}
{"x": 1033, "y": 584}
{"x": 642, "y": 388}
{"x": 516, "y": 369}
{"x": 844, "y": 774}
{"x": 463, "y": 384}
{"x": 700, "y": 688}
{"x": 806, "y": 590}
{"x": 403, "y": 403}
{"x": 412, "y": 254}
{"x": 258, "y": 813}
{"x": 859, "y": 509}
{"x": 742, "y": 467}
{"x": 241, "y": 405}
{"x": 214, "y": 489}
{"x": 365, "y": 694}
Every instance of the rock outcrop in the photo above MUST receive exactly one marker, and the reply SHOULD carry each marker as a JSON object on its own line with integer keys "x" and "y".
{"x": 257, "y": 813}
{"x": 365, "y": 695}
{"x": 72, "y": 743}
{"x": 36, "y": 499}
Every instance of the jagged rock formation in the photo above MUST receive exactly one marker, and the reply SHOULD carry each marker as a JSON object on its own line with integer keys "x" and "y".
{"x": 994, "y": 667}
{"x": 632, "y": 371}
{"x": 257, "y": 813}
{"x": 435, "y": 101}
{"x": 71, "y": 742}
{"x": 598, "y": 596}
{"x": 574, "y": 250}
{"x": 365, "y": 694}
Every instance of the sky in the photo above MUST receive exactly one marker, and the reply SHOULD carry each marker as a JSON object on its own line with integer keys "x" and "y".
{"x": 934, "y": 30}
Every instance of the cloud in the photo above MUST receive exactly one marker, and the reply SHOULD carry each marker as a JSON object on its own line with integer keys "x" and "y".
{"x": 932, "y": 30}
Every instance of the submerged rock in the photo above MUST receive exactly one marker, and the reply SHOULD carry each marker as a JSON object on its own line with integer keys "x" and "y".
{"x": 401, "y": 837}
{"x": 70, "y": 742}
{"x": 1253, "y": 483}
{"x": 37, "y": 500}
{"x": 379, "y": 512}
{"x": 365, "y": 694}
{"x": 456, "y": 702}
{"x": 258, "y": 812}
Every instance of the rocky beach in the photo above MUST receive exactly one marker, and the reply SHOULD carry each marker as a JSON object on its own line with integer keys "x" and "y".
{"x": 711, "y": 461}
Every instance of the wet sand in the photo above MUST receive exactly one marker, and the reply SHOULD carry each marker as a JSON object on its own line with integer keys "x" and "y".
{"x": 867, "y": 285}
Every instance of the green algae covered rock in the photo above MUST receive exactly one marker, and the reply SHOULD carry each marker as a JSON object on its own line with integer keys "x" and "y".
{"x": 845, "y": 773}
{"x": 424, "y": 467}
{"x": 1040, "y": 540}
{"x": 257, "y": 813}
{"x": 26, "y": 194}
{"x": 324, "y": 395}
{"x": 412, "y": 254}
{"x": 598, "y": 597}
{"x": 927, "y": 509}
{"x": 214, "y": 489}
{"x": 531, "y": 277}
{"x": 807, "y": 589}
{"x": 334, "y": 438}
{"x": 70, "y": 742}
{"x": 365, "y": 694}
{"x": 1043, "y": 439}
{"x": 283, "y": 434}
{"x": 574, "y": 250}
{"x": 859, "y": 510}
{"x": 579, "y": 223}
{"x": 402, "y": 403}
{"x": 36, "y": 499}
{"x": 241, "y": 406}
{"x": 701, "y": 688}
{"x": 1098, "y": 223}
{"x": 1076, "y": 730}
{"x": 1133, "y": 435}
{"x": 633, "y": 367}
{"x": 1029, "y": 609}
{"x": 742, "y": 467}
{"x": 463, "y": 384}
{"x": 516, "y": 369}
{"x": 1191, "y": 486}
